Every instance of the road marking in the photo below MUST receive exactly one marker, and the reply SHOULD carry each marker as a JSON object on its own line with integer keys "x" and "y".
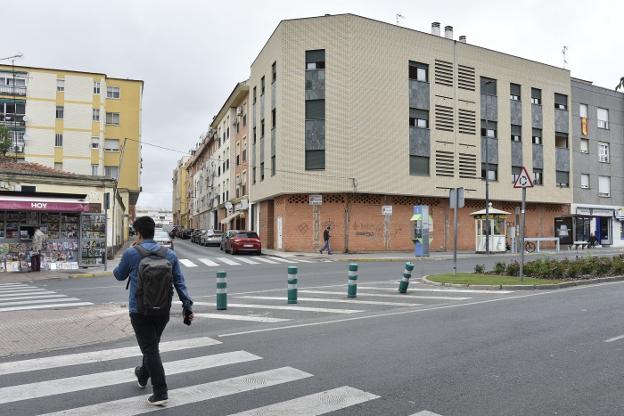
{"x": 248, "y": 318}
{"x": 192, "y": 394}
{"x": 228, "y": 261}
{"x": 421, "y": 289}
{"x": 305, "y": 261}
{"x": 425, "y": 413}
{"x": 266, "y": 260}
{"x": 34, "y": 302}
{"x": 98, "y": 356}
{"x": 187, "y": 262}
{"x": 13, "y": 285}
{"x": 248, "y": 261}
{"x": 304, "y": 299}
{"x": 314, "y": 404}
{"x": 34, "y": 292}
{"x": 109, "y": 378}
{"x": 208, "y": 262}
{"x": 3, "y": 298}
{"x": 282, "y": 260}
{"x": 19, "y": 289}
{"x": 382, "y": 295}
{"x": 53, "y": 306}
{"x": 614, "y": 338}
{"x": 289, "y": 308}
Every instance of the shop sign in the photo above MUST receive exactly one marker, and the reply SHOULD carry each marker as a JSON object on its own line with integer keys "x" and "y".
{"x": 315, "y": 199}
{"x": 386, "y": 210}
{"x": 602, "y": 212}
{"x": 49, "y": 206}
{"x": 583, "y": 211}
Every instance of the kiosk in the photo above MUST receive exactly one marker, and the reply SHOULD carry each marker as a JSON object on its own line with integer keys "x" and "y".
{"x": 498, "y": 227}
{"x": 422, "y": 230}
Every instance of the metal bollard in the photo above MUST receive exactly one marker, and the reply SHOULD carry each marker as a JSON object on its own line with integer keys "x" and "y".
{"x": 292, "y": 285}
{"x": 352, "y": 287}
{"x": 221, "y": 291}
{"x": 407, "y": 273}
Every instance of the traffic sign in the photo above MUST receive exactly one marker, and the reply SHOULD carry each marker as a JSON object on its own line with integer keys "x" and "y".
{"x": 523, "y": 180}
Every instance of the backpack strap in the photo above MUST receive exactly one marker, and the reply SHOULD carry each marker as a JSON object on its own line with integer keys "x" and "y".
{"x": 143, "y": 253}
{"x": 162, "y": 252}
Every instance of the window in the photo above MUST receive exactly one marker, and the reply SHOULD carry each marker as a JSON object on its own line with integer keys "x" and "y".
{"x": 488, "y": 86}
{"x": 95, "y": 142}
{"x": 273, "y": 165}
{"x": 60, "y": 111}
{"x": 254, "y": 135}
{"x": 603, "y": 118}
{"x": 112, "y": 119}
{"x": 96, "y": 114}
{"x": 419, "y": 166}
{"x": 492, "y": 170}
{"x": 536, "y": 96}
{"x": 419, "y": 118}
{"x": 561, "y": 102}
{"x": 273, "y": 119}
{"x": 584, "y": 146}
{"x": 315, "y": 59}
{"x": 96, "y": 87}
{"x": 94, "y": 170}
{"x": 515, "y": 173}
{"x": 273, "y": 72}
{"x": 418, "y": 71}
{"x": 111, "y": 145}
{"x": 491, "y": 129}
{"x": 538, "y": 177}
{"x": 111, "y": 171}
{"x": 244, "y": 119}
{"x": 563, "y": 179}
{"x": 604, "y": 186}
{"x": 253, "y": 177}
{"x": 262, "y": 86}
{"x": 315, "y": 109}
{"x": 514, "y": 92}
{"x": 516, "y": 133}
{"x": 262, "y": 128}
{"x": 58, "y": 165}
{"x": 254, "y": 95}
{"x": 244, "y": 152}
{"x": 261, "y": 171}
{"x": 60, "y": 85}
{"x": 537, "y": 136}
{"x": 112, "y": 92}
{"x": 583, "y": 110}
{"x": 561, "y": 140}
{"x": 584, "y": 181}
{"x": 603, "y": 152}
{"x": 58, "y": 140}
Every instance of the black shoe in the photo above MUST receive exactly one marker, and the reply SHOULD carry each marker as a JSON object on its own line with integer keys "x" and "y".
{"x": 158, "y": 400}
{"x": 141, "y": 381}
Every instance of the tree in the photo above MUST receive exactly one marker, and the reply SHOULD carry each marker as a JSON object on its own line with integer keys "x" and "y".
{"x": 620, "y": 86}
{"x": 5, "y": 141}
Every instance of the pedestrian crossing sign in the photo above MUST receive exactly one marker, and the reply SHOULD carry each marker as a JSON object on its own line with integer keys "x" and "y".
{"x": 523, "y": 180}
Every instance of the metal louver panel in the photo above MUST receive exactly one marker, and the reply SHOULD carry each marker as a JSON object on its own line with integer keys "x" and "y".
{"x": 467, "y": 165}
{"x": 443, "y": 73}
{"x": 445, "y": 163}
{"x": 444, "y": 118}
{"x": 466, "y": 77}
{"x": 467, "y": 121}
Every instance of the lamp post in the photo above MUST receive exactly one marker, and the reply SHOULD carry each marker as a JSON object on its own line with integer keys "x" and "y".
{"x": 487, "y": 177}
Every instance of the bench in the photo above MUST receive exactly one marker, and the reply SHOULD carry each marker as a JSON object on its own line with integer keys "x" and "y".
{"x": 582, "y": 244}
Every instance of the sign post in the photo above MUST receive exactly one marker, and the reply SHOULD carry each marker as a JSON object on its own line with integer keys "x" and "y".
{"x": 456, "y": 201}
{"x": 523, "y": 181}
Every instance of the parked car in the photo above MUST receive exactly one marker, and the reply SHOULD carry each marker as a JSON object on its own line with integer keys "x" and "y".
{"x": 196, "y": 235}
{"x": 227, "y": 235}
{"x": 162, "y": 238}
{"x": 242, "y": 241}
{"x": 211, "y": 238}
{"x": 173, "y": 233}
{"x": 186, "y": 234}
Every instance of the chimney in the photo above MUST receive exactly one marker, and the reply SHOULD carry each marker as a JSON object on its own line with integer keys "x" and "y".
{"x": 435, "y": 28}
{"x": 448, "y": 32}
{"x": 462, "y": 38}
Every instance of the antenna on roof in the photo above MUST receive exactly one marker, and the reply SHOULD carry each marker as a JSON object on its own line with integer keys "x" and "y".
{"x": 399, "y": 18}
{"x": 564, "y": 53}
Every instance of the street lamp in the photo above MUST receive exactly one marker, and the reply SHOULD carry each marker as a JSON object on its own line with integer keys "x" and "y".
{"x": 487, "y": 176}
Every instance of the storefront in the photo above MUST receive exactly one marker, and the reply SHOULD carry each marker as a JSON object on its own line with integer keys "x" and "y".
{"x": 603, "y": 222}
{"x": 75, "y": 237}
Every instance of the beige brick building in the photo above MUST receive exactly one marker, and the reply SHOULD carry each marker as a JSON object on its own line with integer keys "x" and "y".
{"x": 368, "y": 114}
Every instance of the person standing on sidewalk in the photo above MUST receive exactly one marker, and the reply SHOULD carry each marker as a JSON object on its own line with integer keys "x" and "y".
{"x": 38, "y": 240}
{"x": 152, "y": 270}
{"x": 326, "y": 237}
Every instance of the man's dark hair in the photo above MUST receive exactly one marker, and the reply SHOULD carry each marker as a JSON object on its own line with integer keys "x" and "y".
{"x": 145, "y": 226}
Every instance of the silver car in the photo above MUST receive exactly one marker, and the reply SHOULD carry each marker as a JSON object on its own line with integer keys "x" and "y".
{"x": 211, "y": 238}
{"x": 162, "y": 238}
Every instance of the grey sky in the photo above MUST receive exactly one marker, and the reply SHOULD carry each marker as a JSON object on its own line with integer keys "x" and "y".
{"x": 191, "y": 53}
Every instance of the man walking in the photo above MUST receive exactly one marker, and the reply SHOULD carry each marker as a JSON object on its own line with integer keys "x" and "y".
{"x": 326, "y": 238}
{"x": 38, "y": 240}
{"x": 152, "y": 270}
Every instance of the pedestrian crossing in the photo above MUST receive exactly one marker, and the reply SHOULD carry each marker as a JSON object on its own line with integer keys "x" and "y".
{"x": 81, "y": 395}
{"x": 22, "y": 296}
{"x": 243, "y": 261}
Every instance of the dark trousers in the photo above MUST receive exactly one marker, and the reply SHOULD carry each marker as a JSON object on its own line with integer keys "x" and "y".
{"x": 327, "y": 247}
{"x": 148, "y": 330}
{"x": 35, "y": 262}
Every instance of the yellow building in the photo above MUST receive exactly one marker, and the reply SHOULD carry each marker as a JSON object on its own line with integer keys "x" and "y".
{"x": 81, "y": 122}
{"x": 179, "y": 203}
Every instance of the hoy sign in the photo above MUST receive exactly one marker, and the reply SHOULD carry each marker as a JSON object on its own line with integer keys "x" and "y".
{"x": 39, "y": 205}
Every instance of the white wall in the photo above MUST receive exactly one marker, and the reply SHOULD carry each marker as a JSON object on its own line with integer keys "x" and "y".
{"x": 41, "y": 85}
{"x": 40, "y": 113}
{"x": 77, "y": 143}
{"x": 78, "y": 116}
{"x": 78, "y": 88}
{"x": 80, "y": 166}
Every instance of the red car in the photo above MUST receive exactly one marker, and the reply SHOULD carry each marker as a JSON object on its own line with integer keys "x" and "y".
{"x": 242, "y": 241}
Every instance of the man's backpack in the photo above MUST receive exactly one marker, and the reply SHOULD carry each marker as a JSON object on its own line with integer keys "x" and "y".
{"x": 154, "y": 282}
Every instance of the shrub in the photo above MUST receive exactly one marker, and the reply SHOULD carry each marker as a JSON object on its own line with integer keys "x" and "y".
{"x": 499, "y": 268}
{"x": 573, "y": 270}
{"x": 479, "y": 268}
{"x": 587, "y": 265}
{"x": 513, "y": 269}
{"x": 617, "y": 266}
{"x": 603, "y": 266}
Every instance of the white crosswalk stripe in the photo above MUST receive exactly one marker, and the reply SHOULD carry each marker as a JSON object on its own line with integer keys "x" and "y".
{"x": 47, "y": 306}
{"x": 290, "y": 308}
{"x": 246, "y": 318}
{"x": 208, "y": 262}
{"x": 31, "y": 296}
{"x": 383, "y": 295}
{"x": 435, "y": 289}
{"x": 331, "y": 300}
{"x": 248, "y": 261}
{"x": 187, "y": 263}
{"x": 238, "y": 261}
{"x": 33, "y": 302}
{"x": 282, "y": 260}
{"x": 265, "y": 260}
{"x": 21, "y": 297}
{"x": 26, "y": 294}
{"x": 425, "y": 413}
{"x": 228, "y": 261}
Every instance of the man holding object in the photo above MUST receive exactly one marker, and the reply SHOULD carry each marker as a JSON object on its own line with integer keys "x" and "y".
{"x": 152, "y": 272}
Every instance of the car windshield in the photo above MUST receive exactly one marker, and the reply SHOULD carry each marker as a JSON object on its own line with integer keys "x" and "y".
{"x": 161, "y": 235}
{"x": 247, "y": 235}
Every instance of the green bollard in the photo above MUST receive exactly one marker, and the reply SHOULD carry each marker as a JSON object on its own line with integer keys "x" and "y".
{"x": 407, "y": 273}
{"x": 221, "y": 291}
{"x": 352, "y": 287}
{"x": 292, "y": 285}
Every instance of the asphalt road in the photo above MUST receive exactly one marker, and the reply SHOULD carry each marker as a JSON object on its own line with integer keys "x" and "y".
{"x": 461, "y": 354}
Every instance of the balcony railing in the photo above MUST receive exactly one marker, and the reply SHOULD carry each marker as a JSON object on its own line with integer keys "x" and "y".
{"x": 10, "y": 90}
{"x": 12, "y": 119}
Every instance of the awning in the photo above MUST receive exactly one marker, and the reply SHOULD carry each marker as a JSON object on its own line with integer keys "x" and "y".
{"x": 24, "y": 203}
{"x": 230, "y": 217}
{"x": 491, "y": 211}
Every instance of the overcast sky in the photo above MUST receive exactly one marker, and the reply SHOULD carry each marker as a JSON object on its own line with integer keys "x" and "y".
{"x": 191, "y": 53}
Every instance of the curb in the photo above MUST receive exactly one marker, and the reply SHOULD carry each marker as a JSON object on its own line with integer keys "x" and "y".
{"x": 526, "y": 287}
{"x": 90, "y": 275}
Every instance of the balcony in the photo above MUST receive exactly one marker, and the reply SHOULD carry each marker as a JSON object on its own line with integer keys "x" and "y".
{"x": 10, "y": 90}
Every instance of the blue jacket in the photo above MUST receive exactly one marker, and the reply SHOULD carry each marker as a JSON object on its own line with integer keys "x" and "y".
{"x": 129, "y": 266}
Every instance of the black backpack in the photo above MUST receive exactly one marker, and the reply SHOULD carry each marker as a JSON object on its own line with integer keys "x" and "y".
{"x": 154, "y": 282}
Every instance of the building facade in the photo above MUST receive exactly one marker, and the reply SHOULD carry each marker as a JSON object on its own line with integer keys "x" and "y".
{"x": 80, "y": 122}
{"x": 598, "y": 153}
{"x": 162, "y": 217}
{"x": 366, "y": 114}
{"x": 179, "y": 201}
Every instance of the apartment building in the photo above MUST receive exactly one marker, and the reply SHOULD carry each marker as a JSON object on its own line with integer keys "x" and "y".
{"x": 179, "y": 200}
{"x": 201, "y": 171}
{"x": 364, "y": 114}
{"x": 81, "y": 122}
{"x": 598, "y": 152}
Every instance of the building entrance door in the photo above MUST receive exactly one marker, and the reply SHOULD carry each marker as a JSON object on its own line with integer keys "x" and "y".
{"x": 603, "y": 230}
